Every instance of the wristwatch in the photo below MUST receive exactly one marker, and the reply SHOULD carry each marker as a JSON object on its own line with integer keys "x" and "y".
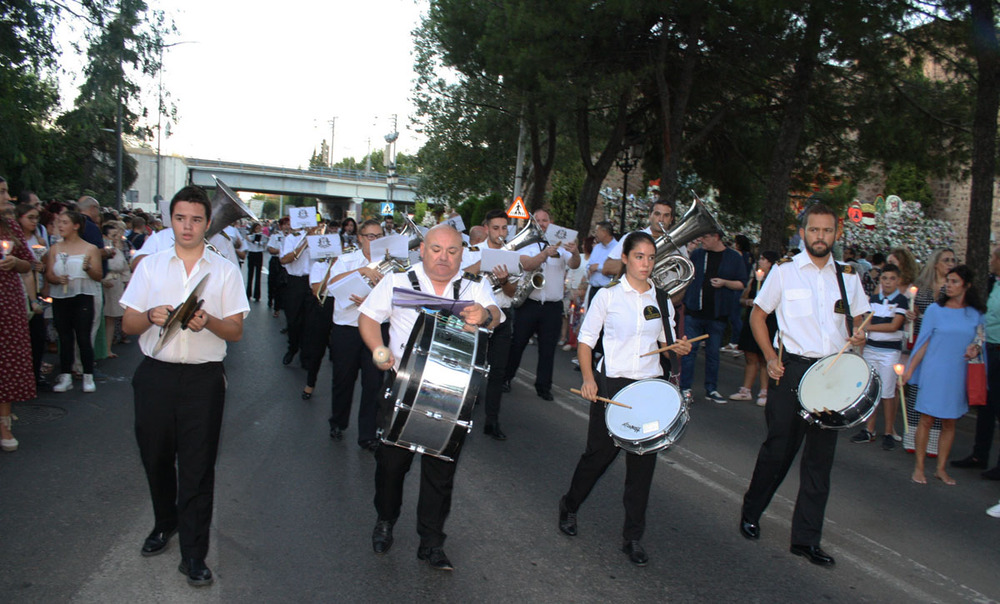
{"x": 489, "y": 318}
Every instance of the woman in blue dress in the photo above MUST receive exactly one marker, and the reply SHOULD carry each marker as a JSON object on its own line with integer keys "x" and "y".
{"x": 949, "y": 336}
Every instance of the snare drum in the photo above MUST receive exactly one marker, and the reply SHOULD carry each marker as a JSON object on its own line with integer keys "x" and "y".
{"x": 844, "y": 396}
{"x": 656, "y": 420}
{"x": 435, "y": 388}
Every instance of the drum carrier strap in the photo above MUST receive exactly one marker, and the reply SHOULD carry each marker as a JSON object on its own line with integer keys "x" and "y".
{"x": 673, "y": 371}
{"x": 416, "y": 283}
{"x": 843, "y": 296}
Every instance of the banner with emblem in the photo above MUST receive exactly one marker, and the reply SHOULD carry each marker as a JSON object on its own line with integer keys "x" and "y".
{"x": 324, "y": 246}
{"x": 556, "y": 234}
{"x": 302, "y": 218}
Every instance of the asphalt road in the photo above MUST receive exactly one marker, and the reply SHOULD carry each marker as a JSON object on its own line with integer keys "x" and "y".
{"x": 294, "y": 514}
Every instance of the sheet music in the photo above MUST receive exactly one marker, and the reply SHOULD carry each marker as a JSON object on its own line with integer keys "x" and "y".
{"x": 409, "y": 298}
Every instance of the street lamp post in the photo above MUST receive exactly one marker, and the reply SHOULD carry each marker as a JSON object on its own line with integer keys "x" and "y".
{"x": 626, "y": 161}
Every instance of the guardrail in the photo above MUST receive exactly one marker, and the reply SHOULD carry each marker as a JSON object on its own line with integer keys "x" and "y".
{"x": 358, "y": 175}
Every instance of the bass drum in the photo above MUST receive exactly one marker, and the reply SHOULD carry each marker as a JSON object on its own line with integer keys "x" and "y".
{"x": 656, "y": 420}
{"x": 435, "y": 388}
{"x": 841, "y": 397}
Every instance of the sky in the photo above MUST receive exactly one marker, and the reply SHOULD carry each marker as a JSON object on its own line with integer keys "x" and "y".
{"x": 258, "y": 82}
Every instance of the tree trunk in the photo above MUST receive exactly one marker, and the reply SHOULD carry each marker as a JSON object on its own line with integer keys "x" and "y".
{"x": 984, "y": 132}
{"x": 673, "y": 107}
{"x": 541, "y": 166}
{"x": 773, "y": 227}
{"x": 596, "y": 171}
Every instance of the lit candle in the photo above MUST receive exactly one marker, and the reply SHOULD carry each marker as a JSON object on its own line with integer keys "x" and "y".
{"x": 760, "y": 275}
{"x": 64, "y": 258}
{"x": 6, "y": 245}
{"x": 39, "y": 251}
{"x": 912, "y": 295}
{"x": 898, "y": 368}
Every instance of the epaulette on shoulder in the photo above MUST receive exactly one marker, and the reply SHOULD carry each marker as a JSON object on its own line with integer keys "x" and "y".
{"x": 473, "y": 248}
{"x": 613, "y": 283}
{"x": 847, "y": 269}
{"x": 400, "y": 269}
{"x": 472, "y": 277}
{"x": 784, "y": 260}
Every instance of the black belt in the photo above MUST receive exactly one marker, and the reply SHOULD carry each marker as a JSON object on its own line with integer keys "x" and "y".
{"x": 299, "y": 276}
{"x": 797, "y": 358}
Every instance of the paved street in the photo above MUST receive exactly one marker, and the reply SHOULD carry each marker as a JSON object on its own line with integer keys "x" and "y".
{"x": 293, "y": 513}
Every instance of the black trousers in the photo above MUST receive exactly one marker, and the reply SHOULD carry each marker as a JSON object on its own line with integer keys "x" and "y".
{"x": 600, "y": 452}
{"x": 277, "y": 277}
{"x": 316, "y": 324}
{"x": 38, "y": 333}
{"x": 178, "y": 416}
{"x": 350, "y": 355}
{"x": 785, "y": 432}
{"x": 499, "y": 350}
{"x": 294, "y": 299}
{"x": 255, "y": 262}
{"x": 437, "y": 479}
{"x": 988, "y": 415}
{"x": 545, "y": 319}
{"x": 74, "y": 318}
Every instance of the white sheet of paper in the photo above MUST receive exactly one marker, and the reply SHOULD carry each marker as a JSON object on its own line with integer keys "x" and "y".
{"x": 398, "y": 246}
{"x": 557, "y": 234}
{"x": 493, "y": 258}
{"x": 353, "y": 284}
{"x": 457, "y": 222}
{"x": 324, "y": 246}
{"x": 302, "y": 218}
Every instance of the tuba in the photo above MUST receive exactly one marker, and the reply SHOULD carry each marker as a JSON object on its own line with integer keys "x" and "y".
{"x": 672, "y": 271}
{"x": 227, "y": 208}
{"x": 387, "y": 265}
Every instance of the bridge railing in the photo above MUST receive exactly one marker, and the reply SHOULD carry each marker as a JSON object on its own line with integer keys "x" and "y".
{"x": 340, "y": 173}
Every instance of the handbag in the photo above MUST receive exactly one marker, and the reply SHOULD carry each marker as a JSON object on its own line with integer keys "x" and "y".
{"x": 975, "y": 382}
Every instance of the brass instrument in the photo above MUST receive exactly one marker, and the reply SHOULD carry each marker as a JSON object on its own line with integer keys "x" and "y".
{"x": 301, "y": 247}
{"x": 227, "y": 208}
{"x": 323, "y": 285}
{"x": 527, "y": 281}
{"x": 672, "y": 271}
{"x": 387, "y": 265}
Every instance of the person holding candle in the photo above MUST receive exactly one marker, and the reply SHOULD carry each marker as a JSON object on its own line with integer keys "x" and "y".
{"x": 35, "y": 286}
{"x": 883, "y": 350}
{"x": 74, "y": 267}
{"x": 930, "y": 285}
{"x": 17, "y": 383}
{"x": 755, "y": 368}
{"x": 114, "y": 280}
{"x": 950, "y": 335}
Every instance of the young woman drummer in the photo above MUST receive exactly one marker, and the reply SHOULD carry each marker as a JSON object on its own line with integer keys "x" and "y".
{"x": 628, "y": 313}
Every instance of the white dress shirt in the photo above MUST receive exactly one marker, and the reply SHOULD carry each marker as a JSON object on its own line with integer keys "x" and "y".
{"x": 378, "y": 305}
{"x": 803, "y": 298}
{"x": 255, "y": 246}
{"x": 554, "y": 268}
{"x": 598, "y": 256}
{"x": 632, "y": 326}
{"x": 161, "y": 279}
{"x": 471, "y": 256}
{"x": 276, "y": 240}
{"x": 300, "y": 266}
{"x": 164, "y": 240}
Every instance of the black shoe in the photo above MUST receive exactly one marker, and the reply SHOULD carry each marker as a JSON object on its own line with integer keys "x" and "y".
{"x": 369, "y": 445}
{"x": 382, "y": 537}
{"x": 157, "y": 542}
{"x": 813, "y": 553}
{"x": 198, "y": 574}
{"x": 888, "y": 442}
{"x": 505, "y": 387}
{"x": 567, "y": 519}
{"x": 494, "y": 431}
{"x": 750, "y": 530}
{"x": 336, "y": 433}
{"x": 287, "y": 358}
{"x": 993, "y": 474}
{"x": 306, "y": 395}
{"x": 436, "y": 557}
{"x": 545, "y": 395}
{"x": 636, "y": 554}
{"x": 283, "y": 331}
{"x": 969, "y": 462}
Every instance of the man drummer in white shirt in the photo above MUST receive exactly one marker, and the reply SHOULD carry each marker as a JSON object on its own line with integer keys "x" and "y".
{"x": 437, "y": 274}
{"x": 180, "y": 390}
{"x": 805, "y": 294}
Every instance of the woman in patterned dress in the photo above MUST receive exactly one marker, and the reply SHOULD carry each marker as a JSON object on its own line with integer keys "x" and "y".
{"x": 114, "y": 281}
{"x": 18, "y": 383}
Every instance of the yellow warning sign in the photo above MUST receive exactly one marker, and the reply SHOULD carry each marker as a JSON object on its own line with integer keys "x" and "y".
{"x": 517, "y": 209}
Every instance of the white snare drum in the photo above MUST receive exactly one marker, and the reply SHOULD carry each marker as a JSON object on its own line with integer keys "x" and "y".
{"x": 656, "y": 420}
{"x": 435, "y": 388}
{"x": 844, "y": 396}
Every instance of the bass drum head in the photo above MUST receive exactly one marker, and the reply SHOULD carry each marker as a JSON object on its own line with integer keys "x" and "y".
{"x": 839, "y": 388}
{"x": 656, "y": 407}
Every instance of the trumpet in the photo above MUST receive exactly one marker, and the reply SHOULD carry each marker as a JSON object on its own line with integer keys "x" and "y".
{"x": 301, "y": 247}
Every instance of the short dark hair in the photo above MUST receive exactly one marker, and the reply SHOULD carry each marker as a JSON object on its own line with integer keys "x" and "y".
{"x": 891, "y": 268}
{"x": 818, "y": 209}
{"x": 193, "y": 194}
{"x": 493, "y": 215}
{"x": 604, "y": 224}
{"x": 368, "y": 223}
{"x": 878, "y": 258}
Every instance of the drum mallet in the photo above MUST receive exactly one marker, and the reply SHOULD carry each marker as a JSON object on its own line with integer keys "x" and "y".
{"x": 781, "y": 349}
{"x": 898, "y": 368}
{"x": 672, "y": 346}
{"x": 602, "y": 399}
{"x": 847, "y": 345}
{"x": 380, "y": 355}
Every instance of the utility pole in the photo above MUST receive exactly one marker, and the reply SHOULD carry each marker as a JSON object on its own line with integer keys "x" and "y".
{"x": 333, "y": 130}
{"x": 519, "y": 166}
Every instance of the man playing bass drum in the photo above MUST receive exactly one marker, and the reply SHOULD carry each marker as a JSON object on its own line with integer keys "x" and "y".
{"x": 808, "y": 294}
{"x": 631, "y": 317}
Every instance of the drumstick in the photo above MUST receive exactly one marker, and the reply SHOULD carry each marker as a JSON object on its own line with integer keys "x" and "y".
{"x": 672, "y": 346}
{"x": 781, "y": 349}
{"x": 846, "y": 345}
{"x": 602, "y": 399}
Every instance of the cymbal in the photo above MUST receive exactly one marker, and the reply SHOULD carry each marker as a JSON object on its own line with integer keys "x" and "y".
{"x": 181, "y": 315}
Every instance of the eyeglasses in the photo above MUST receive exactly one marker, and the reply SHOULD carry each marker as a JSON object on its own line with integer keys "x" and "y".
{"x": 369, "y": 236}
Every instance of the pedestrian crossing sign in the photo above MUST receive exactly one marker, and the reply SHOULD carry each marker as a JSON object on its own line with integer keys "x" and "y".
{"x": 387, "y": 208}
{"x": 517, "y": 209}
